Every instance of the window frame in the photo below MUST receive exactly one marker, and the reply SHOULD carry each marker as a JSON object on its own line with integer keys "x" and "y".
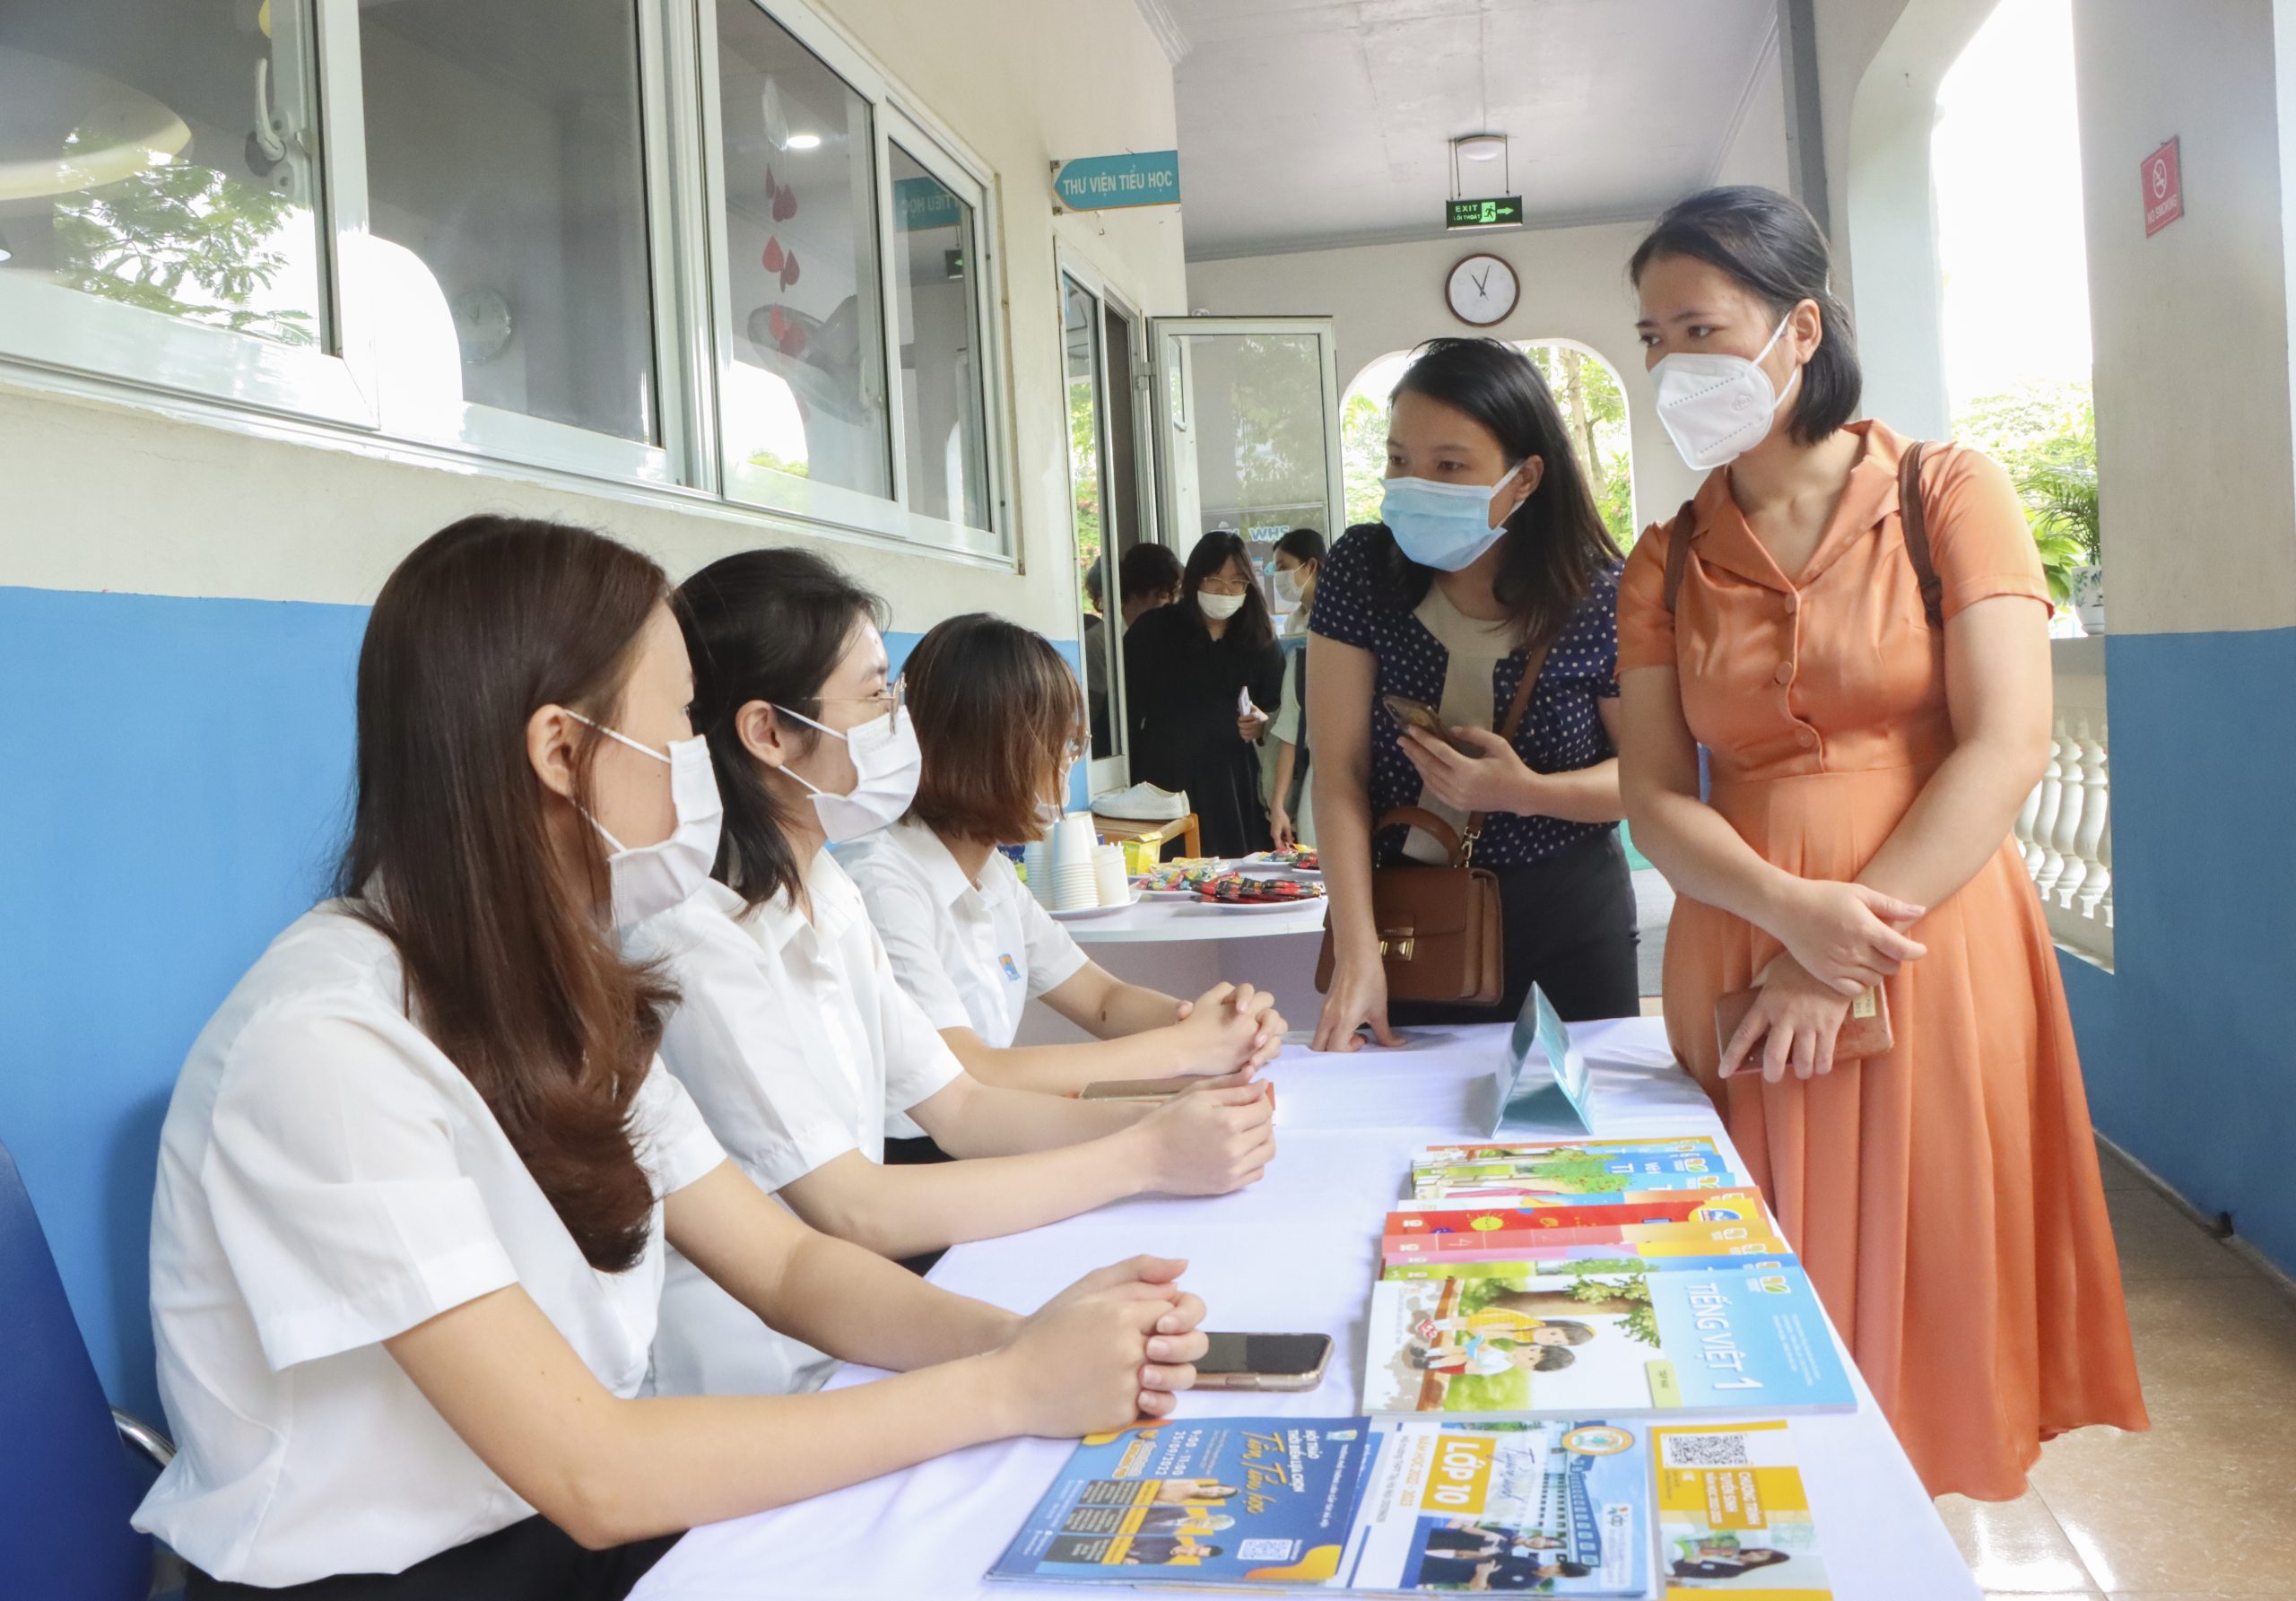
{"x": 63, "y": 340}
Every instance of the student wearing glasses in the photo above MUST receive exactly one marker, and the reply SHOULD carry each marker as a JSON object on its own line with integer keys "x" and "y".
{"x": 791, "y": 1031}
{"x": 1201, "y": 679}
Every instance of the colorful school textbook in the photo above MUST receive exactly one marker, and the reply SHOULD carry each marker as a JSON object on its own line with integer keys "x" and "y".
{"x": 1747, "y": 1338}
{"x": 1395, "y": 1506}
{"x": 1482, "y": 1174}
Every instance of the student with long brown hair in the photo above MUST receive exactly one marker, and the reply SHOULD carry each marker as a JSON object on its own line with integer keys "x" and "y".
{"x": 998, "y": 726}
{"x": 419, "y": 1173}
{"x": 792, "y": 1032}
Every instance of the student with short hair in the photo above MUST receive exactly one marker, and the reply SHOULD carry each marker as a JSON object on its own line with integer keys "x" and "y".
{"x": 792, "y": 1032}
{"x": 419, "y": 1174}
{"x": 997, "y": 716}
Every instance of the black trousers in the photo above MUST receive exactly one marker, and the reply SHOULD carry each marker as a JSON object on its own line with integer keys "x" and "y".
{"x": 530, "y": 1561}
{"x": 1570, "y": 927}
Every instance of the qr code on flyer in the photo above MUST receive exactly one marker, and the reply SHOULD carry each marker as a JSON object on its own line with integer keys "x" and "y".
{"x": 1707, "y": 1451}
{"x": 1267, "y": 1550}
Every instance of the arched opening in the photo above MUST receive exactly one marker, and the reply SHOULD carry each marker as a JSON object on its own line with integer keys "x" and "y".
{"x": 2014, "y": 280}
{"x": 1586, "y": 389}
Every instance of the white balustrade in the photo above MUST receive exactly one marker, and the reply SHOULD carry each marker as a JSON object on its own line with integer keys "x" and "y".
{"x": 2064, "y": 828}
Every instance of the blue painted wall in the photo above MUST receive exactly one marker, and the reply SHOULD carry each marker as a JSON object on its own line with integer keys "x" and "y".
{"x": 174, "y": 782}
{"x": 2189, "y": 1045}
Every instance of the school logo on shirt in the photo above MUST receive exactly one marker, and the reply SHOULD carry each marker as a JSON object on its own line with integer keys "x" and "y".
{"x": 1012, "y": 968}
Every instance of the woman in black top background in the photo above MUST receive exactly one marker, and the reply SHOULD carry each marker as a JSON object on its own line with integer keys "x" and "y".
{"x": 1184, "y": 668}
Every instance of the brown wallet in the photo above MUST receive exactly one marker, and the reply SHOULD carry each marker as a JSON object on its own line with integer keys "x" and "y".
{"x": 1865, "y": 1032}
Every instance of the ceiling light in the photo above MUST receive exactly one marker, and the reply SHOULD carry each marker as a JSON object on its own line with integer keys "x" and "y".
{"x": 1482, "y": 147}
{"x": 805, "y": 142}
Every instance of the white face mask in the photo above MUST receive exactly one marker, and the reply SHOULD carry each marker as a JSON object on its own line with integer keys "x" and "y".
{"x": 650, "y": 879}
{"x": 885, "y": 757}
{"x": 1219, "y": 607}
{"x": 1718, "y": 407}
{"x": 1287, "y": 588}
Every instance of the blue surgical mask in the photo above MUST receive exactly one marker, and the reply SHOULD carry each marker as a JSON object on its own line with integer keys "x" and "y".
{"x": 1442, "y": 525}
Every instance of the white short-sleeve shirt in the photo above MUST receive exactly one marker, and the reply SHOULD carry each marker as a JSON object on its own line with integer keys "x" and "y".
{"x": 973, "y": 954}
{"x": 328, "y": 1179}
{"x": 798, "y": 1046}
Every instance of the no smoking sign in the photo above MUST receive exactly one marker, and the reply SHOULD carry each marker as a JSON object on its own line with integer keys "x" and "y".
{"x": 2164, "y": 189}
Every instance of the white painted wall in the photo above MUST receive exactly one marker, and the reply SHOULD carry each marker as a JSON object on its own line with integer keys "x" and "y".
{"x": 1384, "y": 297}
{"x": 2191, "y": 326}
{"x": 105, "y": 495}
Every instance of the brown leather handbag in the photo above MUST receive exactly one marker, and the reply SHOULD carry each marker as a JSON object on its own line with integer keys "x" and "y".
{"x": 1440, "y": 929}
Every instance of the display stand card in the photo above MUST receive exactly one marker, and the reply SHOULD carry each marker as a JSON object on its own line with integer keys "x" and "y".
{"x": 1542, "y": 1083}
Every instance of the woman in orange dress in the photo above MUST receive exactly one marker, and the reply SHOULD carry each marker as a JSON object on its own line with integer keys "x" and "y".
{"x": 1867, "y": 764}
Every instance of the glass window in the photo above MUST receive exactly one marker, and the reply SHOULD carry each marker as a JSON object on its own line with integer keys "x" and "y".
{"x": 938, "y": 318}
{"x": 804, "y": 394}
{"x": 505, "y": 173}
{"x": 164, "y": 157}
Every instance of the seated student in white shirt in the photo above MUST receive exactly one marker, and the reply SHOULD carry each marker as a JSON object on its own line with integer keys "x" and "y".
{"x": 791, "y": 1032}
{"x": 998, "y": 724}
{"x": 417, "y": 1177}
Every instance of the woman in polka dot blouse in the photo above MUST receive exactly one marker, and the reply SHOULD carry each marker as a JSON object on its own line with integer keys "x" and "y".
{"x": 1491, "y": 547}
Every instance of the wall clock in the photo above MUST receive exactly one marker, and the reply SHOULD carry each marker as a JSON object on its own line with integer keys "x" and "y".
{"x": 1480, "y": 291}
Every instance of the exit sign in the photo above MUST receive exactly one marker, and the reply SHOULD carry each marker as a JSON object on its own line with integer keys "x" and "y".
{"x": 1501, "y": 210}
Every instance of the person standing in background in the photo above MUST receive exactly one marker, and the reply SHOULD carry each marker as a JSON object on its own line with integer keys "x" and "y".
{"x": 1290, "y": 810}
{"x": 1148, "y": 578}
{"x": 1492, "y": 563}
{"x": 1873, "y": 721}
{"x": 1198, "y": 677}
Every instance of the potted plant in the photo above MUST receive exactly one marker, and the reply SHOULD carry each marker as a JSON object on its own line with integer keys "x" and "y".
{"x": 2063, "y": 496}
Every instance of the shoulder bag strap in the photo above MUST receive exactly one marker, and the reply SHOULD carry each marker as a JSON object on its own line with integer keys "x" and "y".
{"x": 1678, "y": 552}
{"x": 1534, "y": 663}
{"x": 1915, "y": 519}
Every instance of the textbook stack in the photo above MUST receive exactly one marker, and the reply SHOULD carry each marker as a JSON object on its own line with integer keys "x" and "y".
{"x": 1582, "y": 1277}
{"x": 1556, "y": 1330}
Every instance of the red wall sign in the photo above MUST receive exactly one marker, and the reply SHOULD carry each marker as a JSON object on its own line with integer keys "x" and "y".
{"x": 2164, "y": 189}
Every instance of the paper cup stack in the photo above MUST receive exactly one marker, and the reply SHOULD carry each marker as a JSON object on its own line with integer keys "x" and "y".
{"x": 1035, "y": 866}
{"x": 1073, "y": 885}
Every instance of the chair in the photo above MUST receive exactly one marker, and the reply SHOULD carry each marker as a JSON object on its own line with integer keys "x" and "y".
{"x": 66, "y": 1487}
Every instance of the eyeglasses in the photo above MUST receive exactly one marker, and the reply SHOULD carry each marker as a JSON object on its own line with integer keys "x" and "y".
{"x": 890, "y": 698}
{"x": 1217, "y": 586}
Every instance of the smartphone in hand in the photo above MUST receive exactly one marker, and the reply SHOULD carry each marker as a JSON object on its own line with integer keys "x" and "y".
{"x": 1417, "y": 714}
{"x": 1263, "y": 1361}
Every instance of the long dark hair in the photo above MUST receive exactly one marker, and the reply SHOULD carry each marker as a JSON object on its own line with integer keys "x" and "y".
{"x": 1251, "y": 627}
{"x": 1555, "y": 541}
{"x": 507, "y": 969}
{"x": 772, "y": 626}
{"x": 1770, "y": 244}
{"x": 996, "y": 708}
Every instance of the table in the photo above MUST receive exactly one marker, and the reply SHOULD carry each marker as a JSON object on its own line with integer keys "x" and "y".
{"x": 1298, "y": 1251}
{"x": 1185, "y": 828}
{"x": 1185, "y": 947}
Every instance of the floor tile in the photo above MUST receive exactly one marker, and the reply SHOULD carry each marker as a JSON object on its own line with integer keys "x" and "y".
{"x": 2157, "y": 1241}
{"x": 2222, "y": 1343}
{"x": 2199, "y": 1504}
{"x": 2014, "y": 1545}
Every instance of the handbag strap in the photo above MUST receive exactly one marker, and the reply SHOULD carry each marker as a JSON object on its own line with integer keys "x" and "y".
{"x": 1914, "y": 517}
{"x": 1458, "y": 845}
{"x": 1912, "y": 514}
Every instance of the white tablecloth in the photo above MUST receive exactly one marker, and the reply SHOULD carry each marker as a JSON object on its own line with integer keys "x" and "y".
{"x": 1297, "y": 1251}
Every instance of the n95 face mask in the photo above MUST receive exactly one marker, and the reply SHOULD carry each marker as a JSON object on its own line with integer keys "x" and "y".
{"x": 1718, "y": 407}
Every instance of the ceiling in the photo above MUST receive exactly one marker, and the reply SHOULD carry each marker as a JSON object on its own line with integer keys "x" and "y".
{"x": 1311, "y": 123}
